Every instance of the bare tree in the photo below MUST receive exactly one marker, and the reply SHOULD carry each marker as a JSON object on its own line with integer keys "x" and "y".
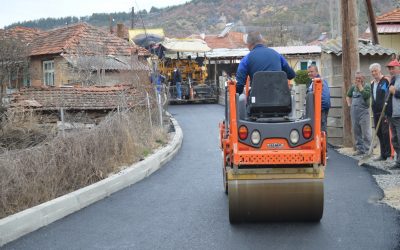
{"x": 87, "y": 63}
{"x": 13, "y": 61}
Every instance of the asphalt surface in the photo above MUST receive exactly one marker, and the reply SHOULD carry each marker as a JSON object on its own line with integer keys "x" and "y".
{"x": 183, "y": 206}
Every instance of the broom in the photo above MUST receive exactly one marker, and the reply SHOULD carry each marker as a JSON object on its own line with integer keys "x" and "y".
{"x": 368, "y": 156}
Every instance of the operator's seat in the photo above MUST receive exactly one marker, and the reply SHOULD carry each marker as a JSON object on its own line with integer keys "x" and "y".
{"x": 270, "y": 95}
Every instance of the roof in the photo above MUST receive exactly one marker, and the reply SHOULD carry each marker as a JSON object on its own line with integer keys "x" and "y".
{"x": 135, "y": 32}
{"x": 230, "y": 40}
{"x": 297, "y": 50}
{"x": 239, "y": 53}
{"x": 95, "y": 62}
{"x": 389, "y": 17}
{"x": 386, "y": 28}
{"x": 77, "y": 98}
{"x": 80, "y": 38}
{"x": 186, "y": 45}
{"x": 227, "y": 53}
{"x": 23, "y": 34}
{"x": 334, "y": 46}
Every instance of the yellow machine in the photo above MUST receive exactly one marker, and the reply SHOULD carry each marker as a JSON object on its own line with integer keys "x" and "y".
{"x": 190, "y": 69}
{"x": 188, "y": 55}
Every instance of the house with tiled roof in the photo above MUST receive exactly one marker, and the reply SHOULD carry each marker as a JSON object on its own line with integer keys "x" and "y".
{"x": 83, "y": 55}
{"x": 388, "y": 25}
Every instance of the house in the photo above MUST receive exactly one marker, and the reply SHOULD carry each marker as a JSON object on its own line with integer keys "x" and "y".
{"x": 21, "y": 37}
{"x": 83, "y": 55}
{"x": 388, "y": 25}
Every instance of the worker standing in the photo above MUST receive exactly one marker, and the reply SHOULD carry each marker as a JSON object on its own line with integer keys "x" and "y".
{"x": 379, "y": 90}
{"x": 358, "y": 98}
{"x": 393, "y": 108}
{"x": 177, "y": 78}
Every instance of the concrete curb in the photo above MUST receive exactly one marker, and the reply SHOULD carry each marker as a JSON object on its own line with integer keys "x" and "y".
{"x": 29, "y": 220}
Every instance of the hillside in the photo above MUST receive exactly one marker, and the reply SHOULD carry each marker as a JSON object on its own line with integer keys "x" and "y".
{"x": 282, "y": 21}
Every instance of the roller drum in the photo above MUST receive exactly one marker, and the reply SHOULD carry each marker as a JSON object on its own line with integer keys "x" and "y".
{"x": 275, "y": 200}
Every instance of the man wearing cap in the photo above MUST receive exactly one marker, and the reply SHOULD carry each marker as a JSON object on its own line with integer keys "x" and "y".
{"x": 260, "y": 58}
{"x": 393, "y": 108}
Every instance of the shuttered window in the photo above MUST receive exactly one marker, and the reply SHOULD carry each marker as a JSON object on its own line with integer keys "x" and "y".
{"x": 48, "y": 73}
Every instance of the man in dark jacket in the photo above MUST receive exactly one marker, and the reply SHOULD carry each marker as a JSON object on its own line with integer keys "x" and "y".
{"x": 177, "y": 81}
{"x": 393, "y": 108}
{"x": 326, "y": 96}
{"x": 260, "y": 58}
{"x": 379, "y": 89}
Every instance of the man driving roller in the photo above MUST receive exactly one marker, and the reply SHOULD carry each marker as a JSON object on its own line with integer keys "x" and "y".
{"x": 260, "y": 58}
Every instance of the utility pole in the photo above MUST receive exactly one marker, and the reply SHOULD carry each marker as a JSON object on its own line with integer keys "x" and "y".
{"x": 350, "y": 59}
{"x": 132, "y": 17}
{"x": 372, "y": 23}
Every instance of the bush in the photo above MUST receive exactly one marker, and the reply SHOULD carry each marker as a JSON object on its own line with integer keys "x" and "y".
{"x": 66, "y": 163}
{"x": 301, "y": 77}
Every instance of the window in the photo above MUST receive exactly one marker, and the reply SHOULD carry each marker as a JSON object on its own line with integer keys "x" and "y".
{"x": 48, "y": 73}
{"x": 304, "y": 64}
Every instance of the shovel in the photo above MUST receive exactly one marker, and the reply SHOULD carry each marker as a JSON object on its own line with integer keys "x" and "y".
{"x": 368, "y": 156}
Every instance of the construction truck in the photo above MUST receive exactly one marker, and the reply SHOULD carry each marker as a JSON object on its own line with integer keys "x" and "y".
{"x": 188, "y": 55}
{"x": 273, "y": 161}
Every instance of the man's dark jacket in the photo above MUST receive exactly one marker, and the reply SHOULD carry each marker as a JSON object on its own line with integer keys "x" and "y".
{"x": 261, "y": 58}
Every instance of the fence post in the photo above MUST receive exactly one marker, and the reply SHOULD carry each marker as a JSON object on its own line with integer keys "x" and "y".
{"x": 148, "y": 106}
{"x": 62, "y": 122}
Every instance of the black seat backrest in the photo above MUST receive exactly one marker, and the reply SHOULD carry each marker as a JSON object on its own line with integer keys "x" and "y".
{"x": 270, "y": 95}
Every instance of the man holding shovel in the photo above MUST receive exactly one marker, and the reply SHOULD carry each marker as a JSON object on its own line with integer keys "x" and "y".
{"x": 393, "y": 108}
{"x": 379, "y": 90}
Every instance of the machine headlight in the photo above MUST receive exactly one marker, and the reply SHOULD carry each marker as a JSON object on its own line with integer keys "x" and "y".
{"x": 255, "y": 137}
{"x": 294, "y": 136}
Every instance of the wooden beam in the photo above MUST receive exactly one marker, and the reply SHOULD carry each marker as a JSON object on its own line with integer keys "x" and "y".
{"x": 372, "y": 23}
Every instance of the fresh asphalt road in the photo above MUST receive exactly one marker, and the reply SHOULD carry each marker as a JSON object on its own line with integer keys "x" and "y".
{"x": 183, "y": 206}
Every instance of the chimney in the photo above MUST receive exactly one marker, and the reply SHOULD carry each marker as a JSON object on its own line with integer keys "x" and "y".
{"x": 120, "y": 30}
{"x": 111, "y": 24}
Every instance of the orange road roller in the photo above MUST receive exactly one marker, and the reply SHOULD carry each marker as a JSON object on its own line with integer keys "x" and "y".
{"x": 273, "y": 160}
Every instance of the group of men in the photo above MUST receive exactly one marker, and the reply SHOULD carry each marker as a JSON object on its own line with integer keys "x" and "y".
{"x": 381, "y": 90}
{"x": 386, "y": 117}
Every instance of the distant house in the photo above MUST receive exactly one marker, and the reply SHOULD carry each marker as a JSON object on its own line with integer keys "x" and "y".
{"x": 78, "y": 55}
{"x": 20, "y": 78}
{"x": 83, "y": 55}
{"x": 388, "y": 25}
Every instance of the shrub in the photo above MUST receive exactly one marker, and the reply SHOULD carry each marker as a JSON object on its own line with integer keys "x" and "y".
{"x": 79, "y": 158}
{"x": 301, "y": 77}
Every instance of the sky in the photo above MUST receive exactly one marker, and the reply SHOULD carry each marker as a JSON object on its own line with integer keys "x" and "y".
{"x": 24, "y": 10}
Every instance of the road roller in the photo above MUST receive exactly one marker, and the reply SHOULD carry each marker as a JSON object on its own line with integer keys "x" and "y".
{"x": 273, "y": 159}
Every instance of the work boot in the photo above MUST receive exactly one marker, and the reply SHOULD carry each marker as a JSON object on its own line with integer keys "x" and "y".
{"x": 380, "y": 158}
{"x": 357, "y": 153}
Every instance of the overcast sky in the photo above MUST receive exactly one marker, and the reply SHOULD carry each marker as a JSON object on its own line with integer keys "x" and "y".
{"x": 12, "y": 11}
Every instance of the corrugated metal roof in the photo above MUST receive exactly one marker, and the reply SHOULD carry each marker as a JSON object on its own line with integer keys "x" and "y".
{"x": 386, "y": 28}
{"x": 186, "y": 45}
{"x": 335, "y": 46}
{"x": 227, "y": 53}
{"x": 290, "y": 50}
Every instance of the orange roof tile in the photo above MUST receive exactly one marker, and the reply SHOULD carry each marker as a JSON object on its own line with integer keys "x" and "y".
{"x": 389, "y": 17}
{"x": 80, "y": 38}
{"x": 23, "y": 34}
{"x": 233, "y": 40}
